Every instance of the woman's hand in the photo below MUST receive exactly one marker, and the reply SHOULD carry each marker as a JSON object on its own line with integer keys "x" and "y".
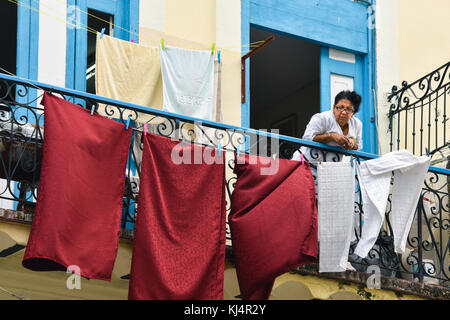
{"x": 343, "y": 141}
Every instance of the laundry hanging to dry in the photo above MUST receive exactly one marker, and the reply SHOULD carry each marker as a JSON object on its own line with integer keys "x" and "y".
{"x": 188, "y": 82}
{"x": 128, "y": 72}
{"x": 375, "y": 180}
{"x": 273, "y": 221}
{"x": 79, "y": 205}
{"x": 179, "y": 240}
{"x": 131, "y": 72}
{"x": 336, "y": 201}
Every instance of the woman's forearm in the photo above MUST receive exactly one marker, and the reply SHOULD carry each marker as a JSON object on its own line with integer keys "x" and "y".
{"x": 340, "y": 139}
{"x": 323, "y": 138}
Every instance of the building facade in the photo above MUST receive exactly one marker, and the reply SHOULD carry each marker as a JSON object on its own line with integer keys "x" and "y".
{"x": 320, "y": 47}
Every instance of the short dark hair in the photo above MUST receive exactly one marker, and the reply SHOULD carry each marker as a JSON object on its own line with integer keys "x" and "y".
{"x": 352, "y": 96}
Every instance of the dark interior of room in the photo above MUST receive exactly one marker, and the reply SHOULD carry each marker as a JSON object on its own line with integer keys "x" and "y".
{"x": 284, "y": 83}
{"x": 97, "y": 25}
{"x": 8, "y": 52}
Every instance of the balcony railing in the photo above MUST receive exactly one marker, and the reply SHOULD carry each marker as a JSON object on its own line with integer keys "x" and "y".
{"x": 418, "y": 115}
{"x": 21, "y": 136}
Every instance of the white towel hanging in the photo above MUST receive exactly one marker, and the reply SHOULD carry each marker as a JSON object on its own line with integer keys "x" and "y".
{"x": 336, "y": 198}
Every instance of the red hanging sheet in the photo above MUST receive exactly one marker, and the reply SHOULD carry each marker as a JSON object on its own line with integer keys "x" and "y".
{"x": 273, "y": 222}
{"x": 79, "y": 205}
{"x": 179, "y": 241}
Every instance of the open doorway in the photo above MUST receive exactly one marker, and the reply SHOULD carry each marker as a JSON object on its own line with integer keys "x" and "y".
{"x": 8, "y": 27}
{"x": 97, "y": 20}
{"x": 284, "y": 83}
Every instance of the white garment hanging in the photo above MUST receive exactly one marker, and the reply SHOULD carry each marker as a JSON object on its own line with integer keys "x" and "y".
{"x": 336, "y": 199}
{"x": 188, "y": 82}
{"x": 374, "y": 178}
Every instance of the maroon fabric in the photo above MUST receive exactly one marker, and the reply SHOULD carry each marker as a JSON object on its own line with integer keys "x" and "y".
{"x": 79, "y": 205}
{"x": 179, "y": 240}
{"x": 273, "y": 223}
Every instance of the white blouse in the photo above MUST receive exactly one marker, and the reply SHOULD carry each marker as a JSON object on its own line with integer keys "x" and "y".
{"x": 325, "y": 122}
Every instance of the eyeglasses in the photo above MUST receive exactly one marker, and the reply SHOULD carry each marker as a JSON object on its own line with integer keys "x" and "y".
{"x": 342, "y": 109}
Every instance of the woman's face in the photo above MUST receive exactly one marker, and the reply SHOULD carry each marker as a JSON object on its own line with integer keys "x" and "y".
{"x": 343, "y": 111}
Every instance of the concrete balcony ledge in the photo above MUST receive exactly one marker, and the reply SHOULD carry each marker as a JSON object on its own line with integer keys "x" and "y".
{"x": 15, "y": 216}
{"x": 399, "y": 286}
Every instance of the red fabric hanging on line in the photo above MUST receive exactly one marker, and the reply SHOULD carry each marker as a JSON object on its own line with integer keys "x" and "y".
{"x": 273, "y": 222}
{"x": 179, "y": 240}
{"x": 79, "y": 205}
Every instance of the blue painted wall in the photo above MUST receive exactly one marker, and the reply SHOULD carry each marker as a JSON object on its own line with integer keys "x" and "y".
{"x": 340, "y": 24}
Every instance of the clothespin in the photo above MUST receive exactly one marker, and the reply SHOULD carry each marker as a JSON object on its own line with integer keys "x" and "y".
{"x": 218, "y": 56}
{"x": 145, "y": 129}
{"x": 351, "y": 161}
{"x": 238, "y": 150}
{"x": 128, "y": 122}
{"x": 219, "y": 147}
{"x": 320, "y": 159}
{"x": 102, "y": 32}
{"x": 302, "y": 159}
{"x": 182, "y": 142}
{"x": 162, "y": 44}
{"x": 427, "y": 151}
{"x": 132, "y": 40}
{"x": 92, "y": 109}
{"x": 212, "y": 48}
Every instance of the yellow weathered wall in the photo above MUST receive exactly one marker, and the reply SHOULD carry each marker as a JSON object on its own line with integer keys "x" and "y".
{"x": 423, "y": 46}
{"x": 192, "y": 20}
{"x": 424, "y": 40}
{"x": 412, "y": 41}
{"x": 33, "y": 285}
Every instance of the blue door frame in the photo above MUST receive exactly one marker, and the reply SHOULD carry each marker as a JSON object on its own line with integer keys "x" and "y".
{"x": 126, "y": 18}
{"x": 356, "y": 71}
{"x": 332, "y": 24}
{"x": 27, "y": 48}
{"x": 26, "y": 64}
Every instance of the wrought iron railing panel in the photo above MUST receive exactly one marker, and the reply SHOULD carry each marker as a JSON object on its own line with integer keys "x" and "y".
{"x": 418, "y": 115}
{"x": 419, "y": 122}
{"x": 21, "y": 138}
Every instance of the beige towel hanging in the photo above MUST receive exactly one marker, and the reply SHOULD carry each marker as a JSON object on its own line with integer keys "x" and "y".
{"x": 128, "y": 72}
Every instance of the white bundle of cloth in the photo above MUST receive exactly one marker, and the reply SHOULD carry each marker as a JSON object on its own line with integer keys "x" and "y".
{"x": 375, "y": 178}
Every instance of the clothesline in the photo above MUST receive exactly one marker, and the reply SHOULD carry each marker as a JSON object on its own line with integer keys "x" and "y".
{"x": 93, "y": 31}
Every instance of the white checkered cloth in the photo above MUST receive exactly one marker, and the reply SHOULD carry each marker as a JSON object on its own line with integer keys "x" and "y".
{"x": 336, "y": 199}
